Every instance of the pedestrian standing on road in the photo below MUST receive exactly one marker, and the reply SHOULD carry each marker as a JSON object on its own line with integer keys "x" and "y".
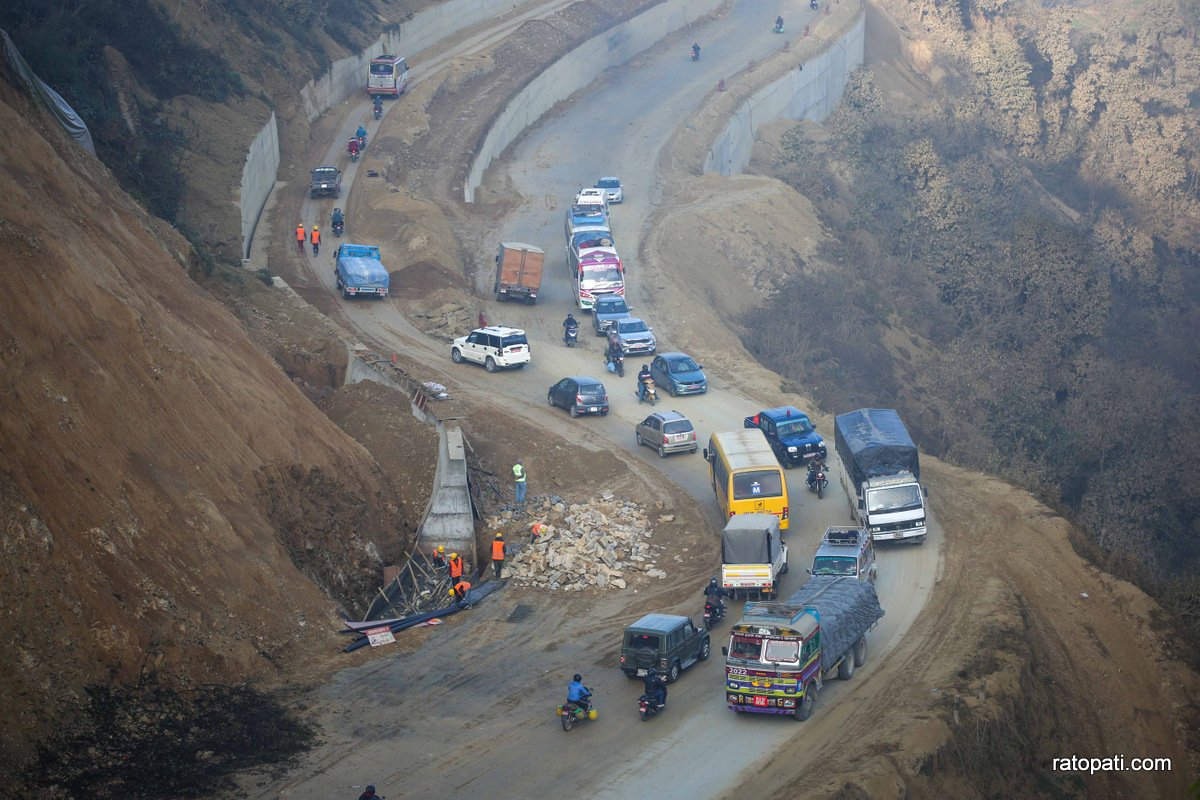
{"x": 455, "y": 567}
{"x": 300, "y": 238}
{"x": 498, "y": 554}
{"x": 316, "y": 239}
{"x": 519, "y": 481}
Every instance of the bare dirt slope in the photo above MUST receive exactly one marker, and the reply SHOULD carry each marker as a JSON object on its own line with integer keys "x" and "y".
{"x": 172, "y": 504}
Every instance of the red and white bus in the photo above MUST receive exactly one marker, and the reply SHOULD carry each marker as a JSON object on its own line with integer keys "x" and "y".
{"x": 388, "y": 75}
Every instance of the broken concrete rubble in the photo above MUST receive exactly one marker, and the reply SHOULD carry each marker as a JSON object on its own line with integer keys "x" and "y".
{"x": 583, "y": 545}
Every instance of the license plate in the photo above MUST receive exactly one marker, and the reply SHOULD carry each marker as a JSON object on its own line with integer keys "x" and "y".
{"x": 593, "y": 409}
{"x": 641, "y": 673}
{"x": 760, "y": 701}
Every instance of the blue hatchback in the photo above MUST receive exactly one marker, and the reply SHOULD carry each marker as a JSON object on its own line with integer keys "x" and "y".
{"x": 679, "y": 374}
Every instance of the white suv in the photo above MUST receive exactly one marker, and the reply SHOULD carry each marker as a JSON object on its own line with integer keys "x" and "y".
{"x": 496, "y": 347}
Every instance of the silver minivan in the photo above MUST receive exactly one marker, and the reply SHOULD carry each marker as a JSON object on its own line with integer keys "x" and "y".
{"x": 845, "y": 551}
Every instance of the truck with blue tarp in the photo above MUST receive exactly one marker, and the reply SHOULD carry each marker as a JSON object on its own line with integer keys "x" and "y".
{"x": 881, "y": 470}
{"x": 780, "y": 654}
{"x": 360, "y": 272}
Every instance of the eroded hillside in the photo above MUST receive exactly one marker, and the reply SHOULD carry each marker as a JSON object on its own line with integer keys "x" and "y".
{"x": 172, "y": 504}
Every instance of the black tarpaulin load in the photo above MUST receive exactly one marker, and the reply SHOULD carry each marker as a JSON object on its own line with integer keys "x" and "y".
{"x": 750, "y": 539}
{"x": 874, "y": 442}
{"x": 846, "y": 608}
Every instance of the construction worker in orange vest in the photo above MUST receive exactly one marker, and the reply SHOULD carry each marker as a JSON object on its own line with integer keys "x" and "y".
{"x": 498, "y": 554}
{"x": 455, "y": 565}
{"x": 300, "y": 238}
{"x": 459, "y": 592}
{"x": 316, "y": 239}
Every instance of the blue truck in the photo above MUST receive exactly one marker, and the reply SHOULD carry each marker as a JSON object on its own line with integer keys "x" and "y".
{"x": 790, "y": 433}
{"x": 360, "y": 272}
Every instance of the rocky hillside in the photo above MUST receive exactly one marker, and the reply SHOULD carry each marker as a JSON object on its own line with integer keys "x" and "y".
{"x": 171, "y": 503}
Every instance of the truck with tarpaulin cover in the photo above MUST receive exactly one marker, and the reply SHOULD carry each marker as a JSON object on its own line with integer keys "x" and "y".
{"x": 753, "y": 555}
{"x": 359, "y": 271}
{"x": 881, "y": 471}
{"x": 780, "y": 654}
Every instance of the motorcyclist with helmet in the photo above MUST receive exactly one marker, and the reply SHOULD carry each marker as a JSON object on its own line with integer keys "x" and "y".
{"x": 779, "y": 24}
{"x": 614, "y": 353}
{"x": 656, "y": 687}
{"x": 643, "y": 376}
{"x": 716, "y": 594}
{"x": 579, "y": 694}
{"x": 361, "y": 135}
{"x": 378, "y": 106}
{"x": 695, "y": 52}
{"x": 369, "y": 794}
{"x": 570, "y": 324}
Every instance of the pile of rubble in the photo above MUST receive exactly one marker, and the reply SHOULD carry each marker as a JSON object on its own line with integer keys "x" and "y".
{"x": 603, "y": 543}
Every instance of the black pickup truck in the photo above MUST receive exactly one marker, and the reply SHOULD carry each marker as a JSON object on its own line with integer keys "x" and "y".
{"x": 326, "y": 181}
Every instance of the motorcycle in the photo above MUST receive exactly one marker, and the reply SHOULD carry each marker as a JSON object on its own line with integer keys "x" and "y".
{"x": 353, "y": 149}
{"x": 649, "y": 393}
{"x": 571, "y": 335}
{"x": 339, "y": 228}
{"x": 570, "y": 713}
{"x": 813, "y": 4}
{"x": 817, "y": 481}
{"x": 695, "y": 53}
{"x": 713, "y": 613}
{"x": 378, "y": 112}
{"x": 647, "y": 708}
{"x": 778, "y": 27}
{"x": 616, "y": 365}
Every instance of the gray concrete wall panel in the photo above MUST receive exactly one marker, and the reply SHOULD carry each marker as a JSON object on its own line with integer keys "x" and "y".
{"x": 808, "y": 93}
{"x": 258, "y": 178}
{"x": 575, "y": 71}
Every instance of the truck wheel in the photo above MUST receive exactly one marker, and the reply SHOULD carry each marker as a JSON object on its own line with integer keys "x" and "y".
{"x": 860, "y": 652}
{"x": 807, "y": 703}
{"x": 705, "y": 650}
{"x": 490, "y": 364}
{"x": 456, "y": 356}
{"x": 846, "y": 667}
{"x": 673, "y": 672}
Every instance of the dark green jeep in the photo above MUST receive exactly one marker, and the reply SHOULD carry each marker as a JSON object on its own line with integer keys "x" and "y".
{"x": 666, "y": 641}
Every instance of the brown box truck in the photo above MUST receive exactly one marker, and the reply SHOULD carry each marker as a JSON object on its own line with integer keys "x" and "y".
{"x": 519, "y": 272}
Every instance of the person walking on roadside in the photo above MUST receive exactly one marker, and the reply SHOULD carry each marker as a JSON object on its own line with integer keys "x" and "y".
{"x": 316, "y": 239}
{"x": 455, "y": 567}
{"x": 498, "y": 554}
{"x": 519, "y": 481}
{"x": 300, "y": 238}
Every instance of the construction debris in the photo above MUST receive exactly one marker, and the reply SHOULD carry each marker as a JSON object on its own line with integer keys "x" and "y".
{"x": 603, "y": 543}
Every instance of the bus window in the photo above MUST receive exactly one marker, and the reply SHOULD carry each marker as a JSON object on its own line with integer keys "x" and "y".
{"x": 759, "y": 483}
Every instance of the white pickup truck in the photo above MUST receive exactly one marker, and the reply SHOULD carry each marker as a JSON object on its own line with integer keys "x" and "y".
{"x": 753, "y": 555}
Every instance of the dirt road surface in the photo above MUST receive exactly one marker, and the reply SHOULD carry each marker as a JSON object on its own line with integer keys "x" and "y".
{"x": 471, "y": 711}
{"x": 467, "y": 708}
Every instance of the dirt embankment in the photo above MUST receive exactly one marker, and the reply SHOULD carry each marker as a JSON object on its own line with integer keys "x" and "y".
{"x": 173, "y": 506}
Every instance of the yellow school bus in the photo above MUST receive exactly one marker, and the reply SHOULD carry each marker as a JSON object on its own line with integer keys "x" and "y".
{"x": 745, "y": 475}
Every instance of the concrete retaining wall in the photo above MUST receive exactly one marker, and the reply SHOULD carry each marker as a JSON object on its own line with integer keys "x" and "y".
{"x": 808, "y": 93}
{"x": 449, "y": 520}
{"x": 349, "y": 75}
{"x": 576, "y": 70}
{"x": 258, "y": 178}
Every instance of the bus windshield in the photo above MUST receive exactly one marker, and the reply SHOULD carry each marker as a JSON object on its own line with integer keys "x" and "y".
{"x": 594, "y": 276}
{"x": 757, "y": 483}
